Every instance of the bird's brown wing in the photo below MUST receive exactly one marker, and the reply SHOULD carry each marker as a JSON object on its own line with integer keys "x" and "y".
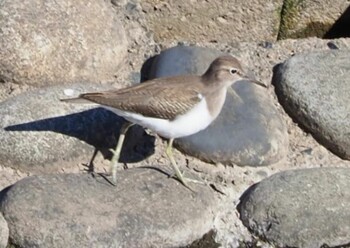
{"x": 159, "y": 98}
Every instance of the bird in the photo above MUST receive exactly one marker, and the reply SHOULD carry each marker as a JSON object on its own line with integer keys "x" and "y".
{"x": 172, "y": 107}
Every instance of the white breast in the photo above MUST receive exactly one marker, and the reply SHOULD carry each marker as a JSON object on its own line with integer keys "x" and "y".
{"x": 192, "y": 122}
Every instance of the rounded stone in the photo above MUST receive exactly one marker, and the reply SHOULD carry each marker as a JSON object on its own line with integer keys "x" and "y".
{"x": 300, "y": 208}
{"x": 249, "y": 129}
{"x": 313, "y": 88}
{"x": 144, "y": 209}
{"x": 39, "y": 133}
{"x": 45, "y": 43}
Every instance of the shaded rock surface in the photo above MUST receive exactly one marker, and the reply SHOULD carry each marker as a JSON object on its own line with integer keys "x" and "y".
{"x": 43, "y": 42}
{"x": 248, "y": 131}
{"x": 38, "y": 132}
{"x": 145, "y": 209}
{"x": 339, "y": 28}
{"x": 300, "y": 208}
{"x": 4, "y": 232}
{"x": 314, "y": 89}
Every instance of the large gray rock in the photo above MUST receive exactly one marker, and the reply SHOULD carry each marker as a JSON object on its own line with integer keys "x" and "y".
{"x": 300, "y": 208}
{"x": 248, "y": 131}
{"x": 145, "y": 209}
{"x": 39, "y": 133}
{"x": 4, "y": 232}
{"x": 212, "y": 21}
{"x": 51, "y": 42}
{"x": 313, "y": 88}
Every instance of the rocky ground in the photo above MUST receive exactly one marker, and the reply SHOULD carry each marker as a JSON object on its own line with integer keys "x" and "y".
{"x": 87, "y": 206}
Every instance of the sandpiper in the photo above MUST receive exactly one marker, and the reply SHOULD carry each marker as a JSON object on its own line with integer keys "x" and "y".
{"x": 172, "y": 107}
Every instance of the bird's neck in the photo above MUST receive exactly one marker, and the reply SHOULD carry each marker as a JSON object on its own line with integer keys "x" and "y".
{"x": 215, "y": 101}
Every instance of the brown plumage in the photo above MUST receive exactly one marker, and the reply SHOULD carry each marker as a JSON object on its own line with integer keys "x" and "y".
{"x": 158, "y": 98}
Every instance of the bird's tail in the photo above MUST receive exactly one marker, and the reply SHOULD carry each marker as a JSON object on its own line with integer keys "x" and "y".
{"x": 80, "y": 100}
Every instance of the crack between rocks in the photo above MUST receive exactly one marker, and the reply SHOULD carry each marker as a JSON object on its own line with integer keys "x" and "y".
{"x": 281, "y": 20}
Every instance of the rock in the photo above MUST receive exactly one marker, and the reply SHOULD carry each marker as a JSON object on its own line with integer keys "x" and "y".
{"x": 313, "y": 88}
{"x": 210, "y": 21}
{"x": 300, "y": 19}
{"x": 248, "y": 131}
{"x": 40, "y": 134}
{"x": 45, "y": 43}
{"x": 9, "y": 176}
{"x": 182, "y": 60}
{"x": 300, "y": 208}
{"x": 4, "y": 232}
{"x": 145, "y": 209}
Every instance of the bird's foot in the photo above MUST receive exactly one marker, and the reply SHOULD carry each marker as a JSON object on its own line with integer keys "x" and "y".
{"x": 178, "y": 175}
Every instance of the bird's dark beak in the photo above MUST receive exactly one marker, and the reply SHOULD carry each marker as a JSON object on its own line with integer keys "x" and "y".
{"x": 254, "y": 81}
{"x": 250, "y": 80}
{"x": 257, "y": 82}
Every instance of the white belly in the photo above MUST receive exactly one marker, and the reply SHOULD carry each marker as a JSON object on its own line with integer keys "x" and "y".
{"x": 190, "y": 123}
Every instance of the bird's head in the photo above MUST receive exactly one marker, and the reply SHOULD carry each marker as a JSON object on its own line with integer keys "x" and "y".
{"x": 227, "y": 70}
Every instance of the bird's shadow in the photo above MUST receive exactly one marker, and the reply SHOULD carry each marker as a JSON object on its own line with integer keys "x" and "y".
{"x": 97, "y": 127}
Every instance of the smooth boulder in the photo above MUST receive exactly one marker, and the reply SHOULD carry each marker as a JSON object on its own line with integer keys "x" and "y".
{"x": 314, "y": 89}
{"x": 50, "y": 42}
{"x": 145, "y": 209}
{"x": 41, "y": 134}
{"x": 249, "y": 129}
{"x": 300, "y": 208}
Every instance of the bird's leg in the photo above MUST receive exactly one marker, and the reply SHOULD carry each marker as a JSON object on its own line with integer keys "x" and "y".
{"x": 178, "y": 173}
{"x": 169, "y": 153}
{"x": 116, "y": 152}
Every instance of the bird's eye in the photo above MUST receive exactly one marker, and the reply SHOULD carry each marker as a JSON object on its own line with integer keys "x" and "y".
{"x": 233, "y": 71}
